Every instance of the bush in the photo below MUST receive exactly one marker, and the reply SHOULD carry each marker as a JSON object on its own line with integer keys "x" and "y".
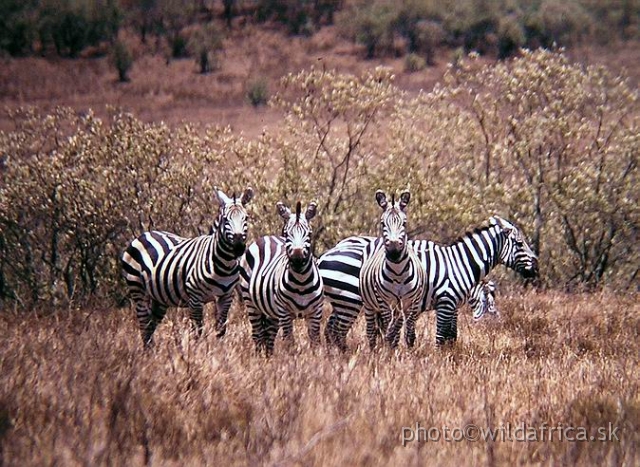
{"x": 204, "y": 45}
{"x": 414, "y": 62}
{"x": 94, "y": 186}
{"x": 370, "y": 24}
{"x": 72, "y": 26}
{"x": 258, "y": 92}
{"x": 511, "y": 37}
{"x": 122, "y": 60}
{"x": 550, "y": 145}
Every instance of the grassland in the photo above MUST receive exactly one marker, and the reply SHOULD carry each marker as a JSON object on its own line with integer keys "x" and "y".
{"x": 78, "y": 389}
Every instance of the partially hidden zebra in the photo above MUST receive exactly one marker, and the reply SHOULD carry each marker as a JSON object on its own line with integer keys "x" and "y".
{"x": 391, "y": 278}
{"x": 452, "y": 272}
{"x": 164, "y": 270}
{"x": 482, "y": 299}
{"x": 280, "y": 281}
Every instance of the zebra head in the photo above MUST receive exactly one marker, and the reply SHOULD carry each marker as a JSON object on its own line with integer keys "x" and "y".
{"x": 516, "y": 253}
{"x": 232, "y": 220}
{"x": 297, "y": 233}
{"x": 482, "y": 299}
{"x": 393, "y": 223}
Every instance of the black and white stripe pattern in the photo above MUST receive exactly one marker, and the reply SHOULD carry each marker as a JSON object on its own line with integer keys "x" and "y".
{"x": 164, "y": 270}
{"x": 452, "y": 272}
{"x": 482, "y": 299}
{"x": 281, "y": 281}
{"x": 391, "y": 278}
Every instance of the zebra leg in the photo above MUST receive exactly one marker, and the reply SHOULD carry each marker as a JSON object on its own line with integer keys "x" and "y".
{"x": 271, "y": 327}
{"x": 286, "y": 323}
{"x": 410, "y": 328}
{"x": 339, "y": 324}
{"x": 372, "y": 327}
{"x": 196, "y": 315}
{"x": 223, "y": 304}
{"x": 258, "y": 330}
{"x": 446, "y": 321}
{"x": 156, "y": 313}
{"x": 392, "y": 336}
{"x": 313, "y": 327}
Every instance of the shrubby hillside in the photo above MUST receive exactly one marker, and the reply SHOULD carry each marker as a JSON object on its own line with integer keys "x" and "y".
{"x": 546, "y": 143}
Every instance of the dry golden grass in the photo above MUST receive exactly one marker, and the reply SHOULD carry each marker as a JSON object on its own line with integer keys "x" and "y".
{"x": 77, "y": 389}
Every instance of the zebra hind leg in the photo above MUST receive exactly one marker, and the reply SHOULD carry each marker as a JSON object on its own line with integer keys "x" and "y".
{"x": 156, "y": 313}
{"x": 197, "y": 318}
{"x": 446, "y": 323}
{"x": 335, "y": 333}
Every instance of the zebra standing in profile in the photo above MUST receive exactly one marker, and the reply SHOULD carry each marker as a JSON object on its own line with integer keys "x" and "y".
{"x": 280, "y": 281}
{"x": 391, "y": 278}
{"x": 452, "y": 272}
{"x": 163, "y": 270}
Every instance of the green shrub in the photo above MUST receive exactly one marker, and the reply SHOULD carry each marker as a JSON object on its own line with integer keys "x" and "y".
{"x": 511, "y": 37}
{"x": 370, "y": 24}
{"x": 204, "y": 45}
{"x": 73, "y": 25}
{"x": 258, "y": 92}
{"x": 551, "y": 145}
{"x": 414, "y": 62}
{"x": 122, "y": 60}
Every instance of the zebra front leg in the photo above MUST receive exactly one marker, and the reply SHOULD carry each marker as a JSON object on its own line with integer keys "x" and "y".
{"x": 271, "y": 326}
{"x": 223, "y": 304}
{"x": 286, "y": 323}
{"x": 392, "y": 336}
{"x": 410, "y": 327}
{"x": 371, "y": 319}
{"x": 313, "y": 327}
{"x": 258, "y": 327}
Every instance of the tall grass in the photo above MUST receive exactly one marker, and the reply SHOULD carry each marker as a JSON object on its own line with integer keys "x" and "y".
{"x": 77, "y": 389}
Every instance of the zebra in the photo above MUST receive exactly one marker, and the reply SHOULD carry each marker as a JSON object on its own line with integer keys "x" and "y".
{"x": 391, "y": 278}
{"x": 280, "y": 281}
{"x": 452, "y": 272}
{"x": 482, "y": 299}
{"x": 162, "y": 269}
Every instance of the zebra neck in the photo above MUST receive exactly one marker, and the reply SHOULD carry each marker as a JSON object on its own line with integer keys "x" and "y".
{"x": 479, "y": 251}
{"x": 221, "y": 257}
{"x": 301, "y": 273}
{"x": 399, "y": 266}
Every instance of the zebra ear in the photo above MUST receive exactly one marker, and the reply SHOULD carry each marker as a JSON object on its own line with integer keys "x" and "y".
{"x": 381, "y": 198}
{"x": 247, "y": 195}
{"x": 222, "y": 198}
{"x": 404, "y": 199}
{"x": 284, "y": 211}
{"x": 311, "y": 210}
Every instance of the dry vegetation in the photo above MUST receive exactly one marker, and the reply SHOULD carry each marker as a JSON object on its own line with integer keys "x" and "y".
{"x": 78, "y": 389}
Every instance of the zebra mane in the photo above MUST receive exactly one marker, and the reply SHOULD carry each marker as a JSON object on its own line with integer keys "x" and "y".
{"x": 471, "y": 233}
